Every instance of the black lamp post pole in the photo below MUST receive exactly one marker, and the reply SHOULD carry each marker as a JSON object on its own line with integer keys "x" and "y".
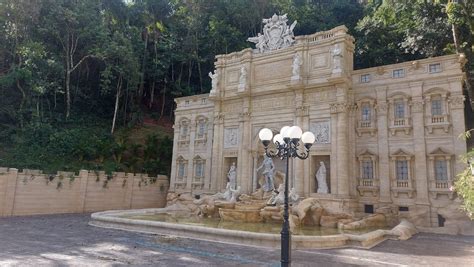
{"x": 285, "y": 231}
{"x": 288, "y": 149}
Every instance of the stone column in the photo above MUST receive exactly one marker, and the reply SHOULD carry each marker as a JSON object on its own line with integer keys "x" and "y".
{"x": 383, "y": 149}
{"x": 175, "y": 156}
{"x": 456, "y": 103}
{"x": 254, "y": 170}
{"x": 217, "y": 160}
{"x": 334, "y": 155}
{"x": 419, "y": 148}
{"x": 190, "y": 170}
{"x": 244, "y": 171}
{"x": 342, "y": 151}
{"x": 208, "y": 170}
{"x": 301, "y": 174}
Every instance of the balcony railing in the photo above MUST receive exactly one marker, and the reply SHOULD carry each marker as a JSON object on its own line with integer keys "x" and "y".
{"x": 365, "y": 124}
{"x": 400, "y": 122}
{"x": 402, "y": 184}
{"x": 368, "y": 186}
{"x": 366, "y": 182}
{"x": 438, "y": 119}
{"x": 441, "y": 184}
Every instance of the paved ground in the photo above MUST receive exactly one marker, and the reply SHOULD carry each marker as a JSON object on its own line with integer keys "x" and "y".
{"x": 65, "y": 240}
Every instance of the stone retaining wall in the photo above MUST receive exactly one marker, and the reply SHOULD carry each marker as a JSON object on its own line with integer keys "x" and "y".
{"x": 32, "y": 192}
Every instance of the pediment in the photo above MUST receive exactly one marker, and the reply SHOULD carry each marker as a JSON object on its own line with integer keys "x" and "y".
{"x": 401, "y": 153}
{"x": 366, "y": 153}
{"x": 439, "y": 151}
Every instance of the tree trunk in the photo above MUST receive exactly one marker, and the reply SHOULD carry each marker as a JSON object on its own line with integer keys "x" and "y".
{"x": 152, "y": 95}
{"x": 456, "y": 38}
{"x": 163, "y": 101}
{"x": 23, "y": 99}
{"x": 125, "y": 104}
{"x": 142, "y": 78}
{"x": 117, "y": 97}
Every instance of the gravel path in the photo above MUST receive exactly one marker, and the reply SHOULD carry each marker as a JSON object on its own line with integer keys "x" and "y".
{"x": 67, "y": 240}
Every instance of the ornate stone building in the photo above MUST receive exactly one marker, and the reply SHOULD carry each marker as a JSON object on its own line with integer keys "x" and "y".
{"x": 388, "y": 135}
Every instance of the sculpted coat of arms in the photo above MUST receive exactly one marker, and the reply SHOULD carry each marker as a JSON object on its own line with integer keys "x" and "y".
{"x": 276, "y": 34}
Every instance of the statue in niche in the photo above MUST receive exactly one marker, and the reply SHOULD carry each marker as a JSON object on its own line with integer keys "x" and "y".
{"x": 296, "y": 69}
{"x": 336, "y": 59}
{"x": 242, "y": 79}
{"x": 232, "y": 175}
{"x": 321, "y": 179}
{"x": 214, "y": 80}
{"x": 268, "y": 173}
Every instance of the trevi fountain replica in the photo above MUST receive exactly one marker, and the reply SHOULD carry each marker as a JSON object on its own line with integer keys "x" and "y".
{"x": 382, "y": 164}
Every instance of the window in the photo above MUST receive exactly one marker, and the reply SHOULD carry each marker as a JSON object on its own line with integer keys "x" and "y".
{"x": 181, "y": 169}
{"x": 203, "y": 100}
{"x": 186, "y": 103}
{"x": 402, "y": 169}
{"x": 436, "y": 107}
{"x": 199, "y": 169}
{"x": 365, "y": 78}
{"x": 441, "y": 170}
{"x": 366, "y": 112}
{"x": 368, "y": 208}
{"x": 433, "y": 68}
{"x": 399, "y": 73}
{"x": 367, "y": 169}
{"x": 399, "y": 108}
{"x": 441, "y": 221}
{"x": 184, "y": 130}
{"x": 201, "y": 128}
{"x": 401, "y": 208}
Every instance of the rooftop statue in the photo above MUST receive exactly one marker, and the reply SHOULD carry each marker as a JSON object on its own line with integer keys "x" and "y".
{"x": 276, "y": 34}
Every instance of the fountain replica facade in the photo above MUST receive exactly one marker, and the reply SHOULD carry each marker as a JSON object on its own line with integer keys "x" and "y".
{"x": 386, "y": 137}
{"x": 384, "y": 156}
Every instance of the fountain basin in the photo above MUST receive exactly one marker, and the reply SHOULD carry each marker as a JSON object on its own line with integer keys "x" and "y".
{"x": 120, "y": 220}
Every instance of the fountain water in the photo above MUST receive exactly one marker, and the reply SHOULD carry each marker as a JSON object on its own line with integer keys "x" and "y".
{"x": 255, "y": 219}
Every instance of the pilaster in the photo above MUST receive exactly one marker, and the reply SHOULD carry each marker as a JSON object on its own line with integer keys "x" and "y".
{"x": 419, "y": 146}
{"x": 456, "y": 104}
{"x": 383, "y": 148}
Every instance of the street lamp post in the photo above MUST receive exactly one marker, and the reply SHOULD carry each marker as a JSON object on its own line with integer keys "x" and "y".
{"x": 287, "y": 145}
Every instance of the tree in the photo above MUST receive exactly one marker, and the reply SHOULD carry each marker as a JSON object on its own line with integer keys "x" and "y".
{"x": 75, "y": 25}
{"x": 461, "y": 16}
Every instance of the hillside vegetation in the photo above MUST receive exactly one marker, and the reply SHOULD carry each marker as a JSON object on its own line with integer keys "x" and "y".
{"x": 91, "y": 83}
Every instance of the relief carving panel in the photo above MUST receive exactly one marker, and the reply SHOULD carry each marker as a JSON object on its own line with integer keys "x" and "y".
{"x": 231, "y": 137}
{"x": 322, "y": 131}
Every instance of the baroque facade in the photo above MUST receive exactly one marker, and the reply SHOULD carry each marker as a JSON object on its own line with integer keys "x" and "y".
{"x": 388, "y": 135}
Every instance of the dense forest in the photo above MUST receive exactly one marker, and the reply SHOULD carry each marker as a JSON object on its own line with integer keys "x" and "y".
{"x": 91, "y": 83}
